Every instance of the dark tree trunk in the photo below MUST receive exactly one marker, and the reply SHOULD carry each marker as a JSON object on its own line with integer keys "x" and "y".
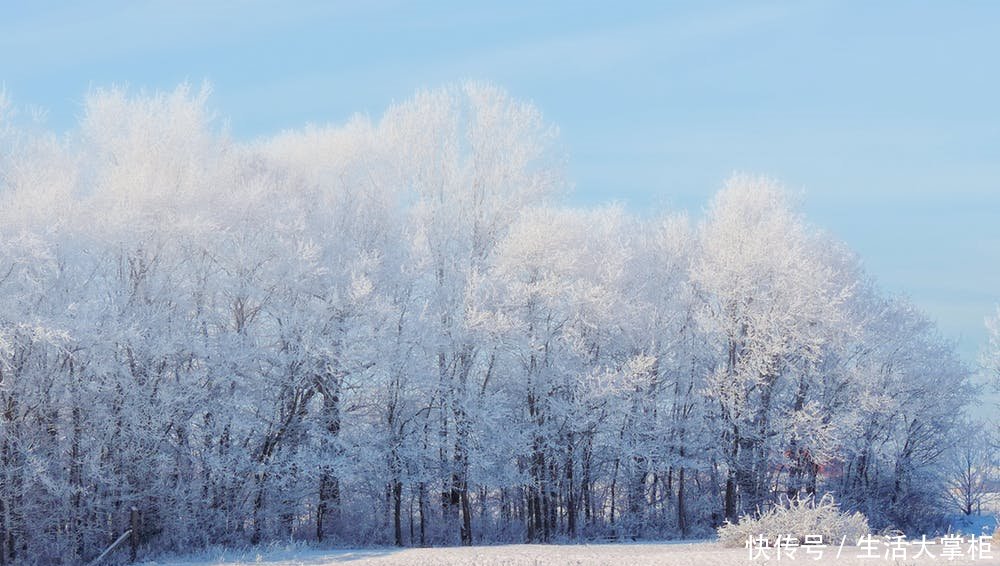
{"x": 328, "y": 506}
{"x": 585, "y": 494}
{"x": 730, "y": 500}
{"x": 397, "y": 508}
{"x": 422, "y": 508}
{"x": 682, "y": 524}
{"x": 329, "y": 503}
{"x": 76, "y": 483}
{"x": 258, "y": 505}
{"x": 570, "y": 495}
{"x": 466, "y": 515}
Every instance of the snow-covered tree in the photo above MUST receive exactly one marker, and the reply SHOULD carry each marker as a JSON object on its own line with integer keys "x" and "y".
{"x": 772, "y": 300}
{"x": 971, "y": 468}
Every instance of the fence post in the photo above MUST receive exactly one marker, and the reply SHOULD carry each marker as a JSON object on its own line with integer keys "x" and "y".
{"x": 134, "y": 537}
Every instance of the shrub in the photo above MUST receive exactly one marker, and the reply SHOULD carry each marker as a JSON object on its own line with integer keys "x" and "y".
{"x": 797, "y": 518}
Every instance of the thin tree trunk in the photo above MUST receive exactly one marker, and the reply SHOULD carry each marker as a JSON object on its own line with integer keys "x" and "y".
{"x": 730, "y": 499}
{"x": 681, "y": 505}
{"x": 466, "y": 516}
{"x": 258, "y": 505}
{"x": 570, "y": 496}
{"x": 422, "y": 505}
{"x": 397, "y": 507}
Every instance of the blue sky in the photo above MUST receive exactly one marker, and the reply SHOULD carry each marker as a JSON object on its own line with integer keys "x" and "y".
{"x": 883, "y": 115}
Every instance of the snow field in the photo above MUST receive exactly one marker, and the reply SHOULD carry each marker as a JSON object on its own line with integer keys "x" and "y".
{"x": 687, "y": 554}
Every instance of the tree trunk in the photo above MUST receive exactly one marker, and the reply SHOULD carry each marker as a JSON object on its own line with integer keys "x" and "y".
{"x": 681, "y": 503}
{"x": 258, "y": 505}
{"x": 730, "y": 499}
{"x": 585, "y": 494}
{"x": 466, "y": 515}
{"x": 397, "y": 507}
{"x": 76, "y": 483}
{"x": 570, "y": 495}
{"x": 328, "y": 505}
{"x": 422, "y": 508}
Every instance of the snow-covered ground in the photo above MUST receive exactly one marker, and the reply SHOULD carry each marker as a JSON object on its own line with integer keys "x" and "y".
{"x": 690, "y": 554}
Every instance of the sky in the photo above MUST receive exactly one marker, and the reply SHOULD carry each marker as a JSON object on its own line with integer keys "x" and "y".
{"x": 881, "y": 117}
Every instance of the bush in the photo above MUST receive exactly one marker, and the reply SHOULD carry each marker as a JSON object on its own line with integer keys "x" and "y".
{"x": 797, "y": 518}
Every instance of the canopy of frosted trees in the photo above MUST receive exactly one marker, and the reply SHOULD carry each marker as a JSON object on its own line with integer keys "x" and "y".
{"x": 396, "y": 331}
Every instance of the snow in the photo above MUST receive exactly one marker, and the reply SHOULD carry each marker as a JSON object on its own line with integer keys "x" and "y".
{"x": 659, "y": 554}
{"x": 291, "y": 556}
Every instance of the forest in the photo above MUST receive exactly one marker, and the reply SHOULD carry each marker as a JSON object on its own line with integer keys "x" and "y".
{"x": 401, "y": 331}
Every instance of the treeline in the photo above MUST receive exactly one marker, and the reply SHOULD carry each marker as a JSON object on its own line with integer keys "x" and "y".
{"x": 393, "y": 332}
